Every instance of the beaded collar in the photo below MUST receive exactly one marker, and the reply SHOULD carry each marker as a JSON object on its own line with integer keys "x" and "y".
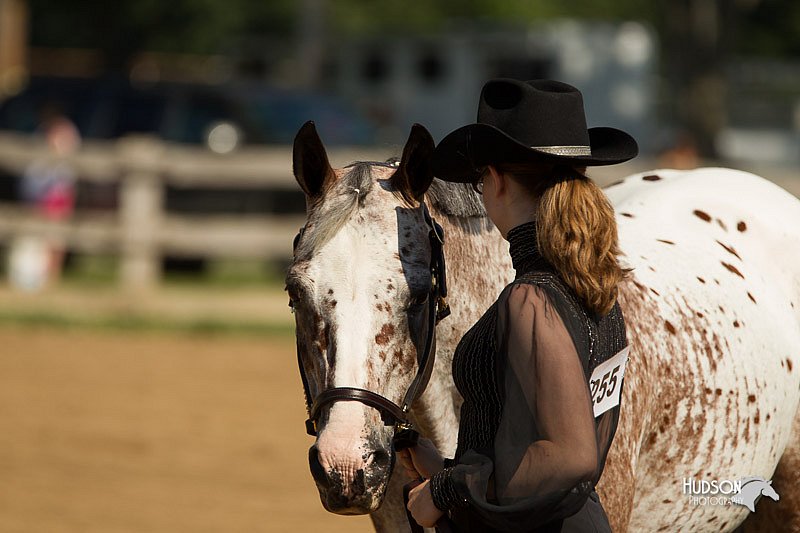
{"x": 524, "y": 250}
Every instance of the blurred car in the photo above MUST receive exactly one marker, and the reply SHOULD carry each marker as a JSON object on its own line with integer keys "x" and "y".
{"x": 219, "y": 117}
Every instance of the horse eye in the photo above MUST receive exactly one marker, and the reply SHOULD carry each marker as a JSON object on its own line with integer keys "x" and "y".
{"x": 293, "y": 297}
{"x": 418, "y": 299}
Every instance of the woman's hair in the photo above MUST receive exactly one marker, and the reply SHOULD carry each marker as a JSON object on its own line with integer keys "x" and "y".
{"x": 576, "y": 230}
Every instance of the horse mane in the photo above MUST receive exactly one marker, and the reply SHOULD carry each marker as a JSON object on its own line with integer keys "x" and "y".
{"x": 453, "y": 199}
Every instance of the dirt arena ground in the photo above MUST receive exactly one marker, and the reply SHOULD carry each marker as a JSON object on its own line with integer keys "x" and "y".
{"x": 103, "y": 431}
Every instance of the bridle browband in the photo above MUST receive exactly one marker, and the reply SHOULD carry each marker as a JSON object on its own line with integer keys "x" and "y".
{"x": 391, "y": 413}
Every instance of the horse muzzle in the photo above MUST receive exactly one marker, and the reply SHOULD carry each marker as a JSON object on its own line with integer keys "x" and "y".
{"x": 353, "y": 485}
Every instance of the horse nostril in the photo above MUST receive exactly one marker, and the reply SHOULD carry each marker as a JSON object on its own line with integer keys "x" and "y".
{"x": 317, "y": 471}
{"x": 379, "y": 459}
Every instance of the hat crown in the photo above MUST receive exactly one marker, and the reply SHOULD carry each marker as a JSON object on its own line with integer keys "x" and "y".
{"x": 536, "y": 113}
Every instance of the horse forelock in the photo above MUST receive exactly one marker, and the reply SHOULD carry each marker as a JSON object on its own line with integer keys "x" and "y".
{"x": 332, "y": 211}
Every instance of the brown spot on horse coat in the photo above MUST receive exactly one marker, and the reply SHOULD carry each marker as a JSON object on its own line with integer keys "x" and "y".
{"x": 751, "y": 296}
{"x": 385, "y": 334}
{"x": 741, "y": 226}
{"x": 732, "y": 269}
{"x": 701, "y": 280}
{"x": 729, "y": 249}
{"x": 651, "y": 177}
{"x": 699, "y": 314}
{"x": 702, "y": 214}
{"x": 669, "y": 327}
{"x": 626, "y": 215}
{"x": 654, "y": 291}
{"x": 751, "y": 398}
{"x": 736, "y": 323}
{"x": 722, "y": 225}
{"x": 789, "y": 364}
{"x": 665, "y": 241}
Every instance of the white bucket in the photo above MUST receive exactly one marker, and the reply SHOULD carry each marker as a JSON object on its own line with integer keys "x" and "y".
{"x": 27, "y": 263}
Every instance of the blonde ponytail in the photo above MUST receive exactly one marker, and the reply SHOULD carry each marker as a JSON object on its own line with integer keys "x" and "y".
{"x": 576, "y": 232}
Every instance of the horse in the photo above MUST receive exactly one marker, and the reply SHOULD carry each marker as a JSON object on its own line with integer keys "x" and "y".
{"x": 712, "y": 384}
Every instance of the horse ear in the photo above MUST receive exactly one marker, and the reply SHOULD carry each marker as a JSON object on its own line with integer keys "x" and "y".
{"x": 415, "y": 173}
{"x": 310, "y": 161}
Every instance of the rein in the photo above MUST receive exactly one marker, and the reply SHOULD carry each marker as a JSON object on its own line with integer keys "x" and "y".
{"x": 391, "y": 413}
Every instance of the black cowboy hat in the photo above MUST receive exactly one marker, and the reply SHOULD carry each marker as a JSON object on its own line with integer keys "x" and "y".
{"x": 527, "y": 121}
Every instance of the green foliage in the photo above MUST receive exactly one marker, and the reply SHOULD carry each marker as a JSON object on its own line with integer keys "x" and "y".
{"x": 122, "y": 27}
{"x": 772, "y": 28}
{"x": 369, "y": 16}
{"x": 196, "y": 26}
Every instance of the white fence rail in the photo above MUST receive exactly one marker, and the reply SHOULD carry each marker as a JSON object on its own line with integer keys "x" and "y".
{"x": 141, "y": 231}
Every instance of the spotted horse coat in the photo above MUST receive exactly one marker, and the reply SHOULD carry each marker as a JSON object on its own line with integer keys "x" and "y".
{"x": 713, "y": 316}
{"x": 711, "y": 308}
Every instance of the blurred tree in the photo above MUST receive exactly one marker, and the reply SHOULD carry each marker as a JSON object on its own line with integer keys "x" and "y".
{"x": 697, "y": 36}
{"x": 124, "y": 27}
{"x": 207, "y": 26}
{"x": 368, "y": 16}
{"x": 771, "y": 28}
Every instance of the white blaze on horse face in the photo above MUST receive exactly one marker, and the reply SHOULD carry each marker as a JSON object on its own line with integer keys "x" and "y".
{"x": 369, "y": 270}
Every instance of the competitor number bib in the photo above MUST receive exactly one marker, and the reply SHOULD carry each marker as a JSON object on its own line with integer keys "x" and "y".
{"x": 605, "y": 384}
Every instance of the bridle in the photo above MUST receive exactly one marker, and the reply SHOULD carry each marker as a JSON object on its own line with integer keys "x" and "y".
{"x": 393, "y": 414}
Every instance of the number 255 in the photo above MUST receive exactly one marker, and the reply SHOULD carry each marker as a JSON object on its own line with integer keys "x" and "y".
{"x": 607, "y": 385}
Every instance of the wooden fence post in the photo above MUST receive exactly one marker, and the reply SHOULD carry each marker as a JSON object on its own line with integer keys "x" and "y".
{"x": 141, "y": 203}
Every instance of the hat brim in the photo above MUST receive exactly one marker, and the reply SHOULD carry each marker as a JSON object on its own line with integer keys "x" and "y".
{"x": 462, "y": 154}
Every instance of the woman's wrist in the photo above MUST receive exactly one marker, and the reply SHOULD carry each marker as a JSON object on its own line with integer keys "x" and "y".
{"x": 443, "y": 490}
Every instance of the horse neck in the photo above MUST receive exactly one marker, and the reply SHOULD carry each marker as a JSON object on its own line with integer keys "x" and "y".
{"x": 478, "y": 267}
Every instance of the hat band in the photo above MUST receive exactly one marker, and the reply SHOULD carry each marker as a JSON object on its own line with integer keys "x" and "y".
{"x": 565, "y": 150}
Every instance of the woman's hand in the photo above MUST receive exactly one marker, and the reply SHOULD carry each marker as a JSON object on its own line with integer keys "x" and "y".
{"x": 420, "y": 505}
{"x": 421, "y": 460}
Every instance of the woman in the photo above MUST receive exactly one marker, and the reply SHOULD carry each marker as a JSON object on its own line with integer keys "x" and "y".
{"x": 533, "y": 440}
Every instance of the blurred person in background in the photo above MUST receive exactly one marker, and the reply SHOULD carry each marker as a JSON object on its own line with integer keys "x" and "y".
{"x": 48, "y": 186}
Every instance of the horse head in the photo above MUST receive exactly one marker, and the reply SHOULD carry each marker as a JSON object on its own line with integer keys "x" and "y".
{"x": 768, "y": 491}
{"x": 358, "y": 285}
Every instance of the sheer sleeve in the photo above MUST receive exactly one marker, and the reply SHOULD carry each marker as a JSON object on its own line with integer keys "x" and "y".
{"x": 545, "y": 450}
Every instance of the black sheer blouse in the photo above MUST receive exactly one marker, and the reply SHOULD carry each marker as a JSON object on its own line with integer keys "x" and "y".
{"x": 529, "y": 447}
